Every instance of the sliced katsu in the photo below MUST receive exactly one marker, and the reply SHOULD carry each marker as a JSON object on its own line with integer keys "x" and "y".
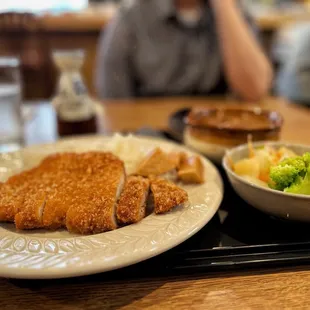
{"x": 11, "y": 201}
{"x": 167, "y": 195}
{"x": 88, "y": 193}
{"x": 73, "y": 185}
{"x": 14, "y": 191}
{"x": 95, "y": 209}
{"x": 132, "y": 203}
{"x": 43, "y": 183}
{"x": 78, "y": 173}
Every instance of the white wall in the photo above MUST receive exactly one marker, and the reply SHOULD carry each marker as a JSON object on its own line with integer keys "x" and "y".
{"x": 39, "y": 5}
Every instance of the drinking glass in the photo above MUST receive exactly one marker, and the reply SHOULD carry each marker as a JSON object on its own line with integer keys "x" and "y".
{"x": 11, "y": 124}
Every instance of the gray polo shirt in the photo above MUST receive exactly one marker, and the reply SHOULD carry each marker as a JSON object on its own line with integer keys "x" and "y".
{"x": 146, "y": 51}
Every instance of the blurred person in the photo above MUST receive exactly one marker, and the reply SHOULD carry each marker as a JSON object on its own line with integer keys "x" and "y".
{"x": 181, "y": 47}
{"x": 292, "y": 51}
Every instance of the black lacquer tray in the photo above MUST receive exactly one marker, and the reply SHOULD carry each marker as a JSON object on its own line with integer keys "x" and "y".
{"x": 238, "y": 237}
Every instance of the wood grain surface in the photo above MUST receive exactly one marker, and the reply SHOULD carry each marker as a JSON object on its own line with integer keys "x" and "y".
{"x": 276, "y": 20}
{"x": 272, "y": 289}
{"x": 95, "y": 17}
{"x": 154, "y": 113}
{"x": 281, "y": 290}
{"x": 95, "y": 20}
{"x": 129, "y": 115}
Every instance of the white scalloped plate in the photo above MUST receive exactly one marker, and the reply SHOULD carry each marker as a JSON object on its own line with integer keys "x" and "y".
{"x": 44, "y": 254}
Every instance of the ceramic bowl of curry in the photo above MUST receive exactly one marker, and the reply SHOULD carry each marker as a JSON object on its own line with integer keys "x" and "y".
{"x": 213, "y": 131}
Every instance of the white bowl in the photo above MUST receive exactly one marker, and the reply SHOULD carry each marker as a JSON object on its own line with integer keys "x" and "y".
{"x": 280, "y": 204}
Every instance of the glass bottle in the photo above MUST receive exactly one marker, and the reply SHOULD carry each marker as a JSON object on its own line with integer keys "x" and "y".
{"x": 75, "y": 109}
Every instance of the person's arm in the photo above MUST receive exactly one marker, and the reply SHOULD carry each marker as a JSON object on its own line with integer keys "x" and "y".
{"x": 113, "y": 78}
{"x": 248, "y": 70}
{"x": 294, "y": 77}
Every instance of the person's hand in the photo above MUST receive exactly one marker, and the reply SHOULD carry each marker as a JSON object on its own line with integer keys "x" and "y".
{"x": 222, "y": 3}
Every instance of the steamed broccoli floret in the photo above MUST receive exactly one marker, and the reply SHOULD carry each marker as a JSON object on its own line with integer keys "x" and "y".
{"x": 297, "y": 162}
{"x": 292, "y": 175}
{"x": 306, "y": 159}
{"x": 301, "y": 185}
{"x": 283, "y": 176}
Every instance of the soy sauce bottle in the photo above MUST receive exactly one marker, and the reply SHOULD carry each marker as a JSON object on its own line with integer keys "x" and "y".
{"x": 75, "y": 109}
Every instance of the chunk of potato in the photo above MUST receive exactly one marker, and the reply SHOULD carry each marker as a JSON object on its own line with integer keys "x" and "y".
{"x": 249, "y": 167}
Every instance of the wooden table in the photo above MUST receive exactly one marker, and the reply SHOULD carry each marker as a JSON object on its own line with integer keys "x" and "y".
{"x": 131, "y": 115}
{"x": 247, "y": 290}
{"x": 276, "y": 20}
{"x": 93, "y": 19}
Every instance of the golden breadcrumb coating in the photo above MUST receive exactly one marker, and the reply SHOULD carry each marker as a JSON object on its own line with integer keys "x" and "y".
{"x": 88, "y": 192}
{"x": 93, "y": 209}
{"x": 85, "y": 183}
{"x": 167, "y": 195}
{"x": 132, "y": 203}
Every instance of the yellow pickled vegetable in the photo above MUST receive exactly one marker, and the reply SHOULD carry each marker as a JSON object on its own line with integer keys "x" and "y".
{"x": 264, "y": 159}
{"x": 284, "y": 152}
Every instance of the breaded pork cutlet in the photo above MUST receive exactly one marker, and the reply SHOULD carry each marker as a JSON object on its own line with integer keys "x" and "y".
{"x": 87, "y": 184}
{"x": 167, "y": 195}
{"x": 14, "y": 191}
{"x": 31, "y": 215}
{"x": 78, "y": 172}
{"x": 81, "y": 190}
{"x": 38, "y": 184}
{"x": 10, "y": 202}
{"x": 94, "y": 210}
{"x": 132, "y": 203}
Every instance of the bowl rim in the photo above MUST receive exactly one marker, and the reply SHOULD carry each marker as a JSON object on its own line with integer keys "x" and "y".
{"x": 267, "y": 189}
{"x": 277, "y": 125}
